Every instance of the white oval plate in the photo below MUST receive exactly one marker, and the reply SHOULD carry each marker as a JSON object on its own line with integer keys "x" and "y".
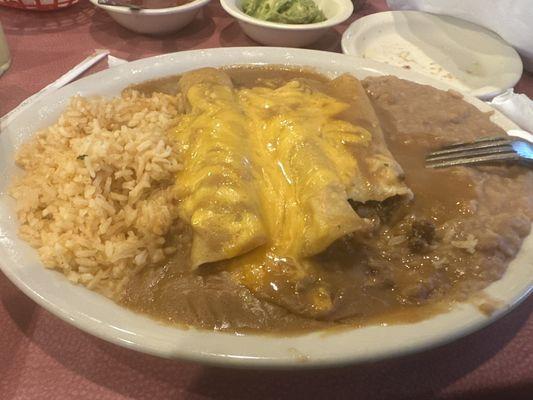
{"x": 466, "y": 56}
{"x": 102, "y": 318}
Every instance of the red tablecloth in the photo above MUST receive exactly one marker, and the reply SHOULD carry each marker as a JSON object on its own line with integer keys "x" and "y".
{"x": 42, "y": 357}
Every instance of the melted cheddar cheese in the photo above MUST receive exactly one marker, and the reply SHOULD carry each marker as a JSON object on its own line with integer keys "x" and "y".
{"x": 267, "y": 176}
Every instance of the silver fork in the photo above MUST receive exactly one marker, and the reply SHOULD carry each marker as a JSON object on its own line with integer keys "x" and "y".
{"x": 482, "y": 151}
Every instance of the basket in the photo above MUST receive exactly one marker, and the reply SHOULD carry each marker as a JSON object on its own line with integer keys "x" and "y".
{"x": 38, "y": 5}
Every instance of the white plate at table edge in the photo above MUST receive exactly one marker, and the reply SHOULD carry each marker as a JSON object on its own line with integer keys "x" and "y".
{"x": 502, "y": 70}
{"x": 101, "y": 317}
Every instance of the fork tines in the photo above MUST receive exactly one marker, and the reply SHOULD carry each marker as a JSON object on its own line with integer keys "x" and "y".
{"x": 484, "y": 150}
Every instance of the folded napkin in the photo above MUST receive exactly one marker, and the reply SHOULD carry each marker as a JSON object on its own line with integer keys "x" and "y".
{"x": 511, "y": 19}
{"x": 518, "y": 108}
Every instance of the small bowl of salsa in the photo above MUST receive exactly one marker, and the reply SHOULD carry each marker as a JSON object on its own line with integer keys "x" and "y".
{"x": 154, "y": 17}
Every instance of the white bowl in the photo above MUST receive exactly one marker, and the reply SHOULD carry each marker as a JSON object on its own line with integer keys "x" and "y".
{"x": 154, "y": 21}
{"x": 101, "y": 317}
{"x": 290, "y": 35}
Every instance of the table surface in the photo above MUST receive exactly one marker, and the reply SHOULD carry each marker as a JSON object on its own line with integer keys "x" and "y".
{"x": 42, "y": 357}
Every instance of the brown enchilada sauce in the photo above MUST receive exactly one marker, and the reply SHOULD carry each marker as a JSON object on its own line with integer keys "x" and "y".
{"x": 455, "y": 237}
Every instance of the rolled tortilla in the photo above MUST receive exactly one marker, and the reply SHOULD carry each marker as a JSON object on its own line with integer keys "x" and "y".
{"x": 380, "y": 176}
{"x": 217, "y": 186}
{"x": 305, "y": 179}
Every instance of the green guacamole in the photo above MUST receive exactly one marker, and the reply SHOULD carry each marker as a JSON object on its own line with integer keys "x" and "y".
{"x": 284, "y": 11}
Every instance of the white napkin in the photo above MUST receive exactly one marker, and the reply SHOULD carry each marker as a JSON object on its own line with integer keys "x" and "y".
{"x": 511, "y": 19}
{"x": 518, "y": 108}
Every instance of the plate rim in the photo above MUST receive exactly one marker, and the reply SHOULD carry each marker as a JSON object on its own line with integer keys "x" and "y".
{"x": 80, "y": 320}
